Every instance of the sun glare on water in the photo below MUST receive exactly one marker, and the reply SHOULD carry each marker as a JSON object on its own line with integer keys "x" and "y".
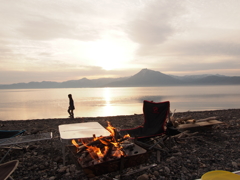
{"x": 107, "y": 54}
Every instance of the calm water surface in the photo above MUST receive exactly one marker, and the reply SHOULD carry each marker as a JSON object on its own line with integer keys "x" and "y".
{"x": 23, "y": 104}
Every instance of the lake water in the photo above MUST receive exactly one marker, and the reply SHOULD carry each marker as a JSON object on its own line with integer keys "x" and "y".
{"x": 23, "y": 104}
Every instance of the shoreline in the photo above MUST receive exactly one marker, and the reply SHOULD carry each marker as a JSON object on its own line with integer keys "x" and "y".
{"x": 116, "y": 116}
{"x": 189, "y": 159}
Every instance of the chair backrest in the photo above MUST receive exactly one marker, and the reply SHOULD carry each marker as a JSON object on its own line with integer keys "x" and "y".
{"x": 155, "y": 116}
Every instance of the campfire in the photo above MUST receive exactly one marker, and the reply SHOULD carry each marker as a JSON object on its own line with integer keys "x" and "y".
{"x": 99, "y": 155}
{"x": 101, "y": 149}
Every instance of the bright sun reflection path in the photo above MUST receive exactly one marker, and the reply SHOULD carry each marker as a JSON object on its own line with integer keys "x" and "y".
{"x": 107, "y": 96}
{"x": 108, "y": 108}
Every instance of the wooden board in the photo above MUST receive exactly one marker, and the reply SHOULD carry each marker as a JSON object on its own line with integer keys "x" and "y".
{"x": 199, "y": 124}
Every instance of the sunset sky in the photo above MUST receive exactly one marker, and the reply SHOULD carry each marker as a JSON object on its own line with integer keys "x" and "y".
{"x": 42, "y": 40}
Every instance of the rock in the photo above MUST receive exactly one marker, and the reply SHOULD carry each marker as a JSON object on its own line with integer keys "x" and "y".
{"x": 143, "y": 177}
{"x": 184, "y": 170}
{"x": 72, "y": 168}
{"x": 62, "y": 169}
{"x": 167, "y": 170}
{"x": 41, "y": 166}
{"x": 67, "y": 174}
{"x": 156, "y": 173}
{"x": 234, "y": 164}
{"x": 191, "y": 157}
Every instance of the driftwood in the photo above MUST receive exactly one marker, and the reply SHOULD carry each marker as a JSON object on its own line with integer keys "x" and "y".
{"x": 207, "y": 119}
{"x": 177, "y": 121}
{"x": 191, "y": 121}
{"x": 158, "y": 156}
{"x": 184, "y": 134}
{"x": 188, "y": 120}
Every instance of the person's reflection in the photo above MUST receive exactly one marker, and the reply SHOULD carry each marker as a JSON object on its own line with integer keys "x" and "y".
{"x": 71, "y": 106}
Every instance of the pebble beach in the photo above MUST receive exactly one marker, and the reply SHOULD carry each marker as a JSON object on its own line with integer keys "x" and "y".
{"x": 189, "y": 157}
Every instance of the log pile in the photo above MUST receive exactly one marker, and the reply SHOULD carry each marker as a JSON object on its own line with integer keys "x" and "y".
{"x": 189, "y": 120}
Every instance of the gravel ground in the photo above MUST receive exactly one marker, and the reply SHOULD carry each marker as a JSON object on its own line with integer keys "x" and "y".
{"x": 188, "y": 157}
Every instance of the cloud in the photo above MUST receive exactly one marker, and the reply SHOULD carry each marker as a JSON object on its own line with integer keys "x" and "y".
{"x": 55, "y": 40}
{"x": 153, "y": 24}
{"x": 43, "y": 20}
{"x": 49, "y": 29}
{"x": 210, "y": 49}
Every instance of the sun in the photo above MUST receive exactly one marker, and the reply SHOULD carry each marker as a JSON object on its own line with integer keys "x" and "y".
{"x": 107, "y": 54}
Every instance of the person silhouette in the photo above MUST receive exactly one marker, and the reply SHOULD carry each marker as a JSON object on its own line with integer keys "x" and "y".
{"x": 71, "y": 106}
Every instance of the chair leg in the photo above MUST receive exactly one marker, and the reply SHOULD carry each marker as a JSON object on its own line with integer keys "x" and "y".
{"x": 5, "y": 154}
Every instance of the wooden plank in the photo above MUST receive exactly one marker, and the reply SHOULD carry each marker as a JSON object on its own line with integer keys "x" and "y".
{"x": 199, "y": 124}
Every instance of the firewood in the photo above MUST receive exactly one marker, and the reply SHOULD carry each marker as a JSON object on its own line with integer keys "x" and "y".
{"x": 158, "y": 156}
{"x": 183, "y": 119}
{"x": 191, "y": 121}
{"x": 184, "y": 134}
{"x": 207, "y": 119}
{"x": 108, "y": 153}
{"x": 92, "y": 143}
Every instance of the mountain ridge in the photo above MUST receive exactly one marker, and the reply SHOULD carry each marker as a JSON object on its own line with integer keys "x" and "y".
{"x": 144, "y": 77}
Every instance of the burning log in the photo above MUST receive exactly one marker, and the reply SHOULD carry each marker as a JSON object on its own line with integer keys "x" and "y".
{"x": 84, "y": 145}
{"x": 101, "y": 148}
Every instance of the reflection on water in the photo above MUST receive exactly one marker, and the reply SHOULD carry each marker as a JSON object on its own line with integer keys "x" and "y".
{"x": 91, "y": 102}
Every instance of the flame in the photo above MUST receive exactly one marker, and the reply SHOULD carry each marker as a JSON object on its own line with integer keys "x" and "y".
{"x": 95, "y": 153}
{"x": 105, "y": 146}
{"x": 75, "y": 143}
{"x": 126, "y": 136}
{"x": 111, "y": 129}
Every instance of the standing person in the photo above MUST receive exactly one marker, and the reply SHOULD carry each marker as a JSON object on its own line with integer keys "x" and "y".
{"x": 71, "y": 106}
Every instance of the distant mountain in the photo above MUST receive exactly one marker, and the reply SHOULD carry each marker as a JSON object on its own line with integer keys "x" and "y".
{"x": 194, "y": 77}
{"x": 218, "y": 80}
{"x": 145, "y": 77}
{"x": 81, "y": 83}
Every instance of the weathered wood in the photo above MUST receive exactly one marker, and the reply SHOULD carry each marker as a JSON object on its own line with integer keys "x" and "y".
{"x": 158, "y": 156}
{"x": 191, "y": 121}
{"x": 183, "y": 119}
{"x": 198, "y": 125}
{"x": 207, "y": 119}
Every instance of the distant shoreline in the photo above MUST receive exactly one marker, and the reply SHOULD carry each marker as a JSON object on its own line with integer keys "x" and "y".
{"x": 115, "y": 117}
{"x": 175, "y": 85}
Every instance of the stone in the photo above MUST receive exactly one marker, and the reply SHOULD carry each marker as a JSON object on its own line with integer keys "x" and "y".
{"x": 167, "y": 170}
{"x": 143, "y": 177}
{"x": 156, "y": 173}
{"x": 234, "y": 164}
{"x": 62, "y": 169}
